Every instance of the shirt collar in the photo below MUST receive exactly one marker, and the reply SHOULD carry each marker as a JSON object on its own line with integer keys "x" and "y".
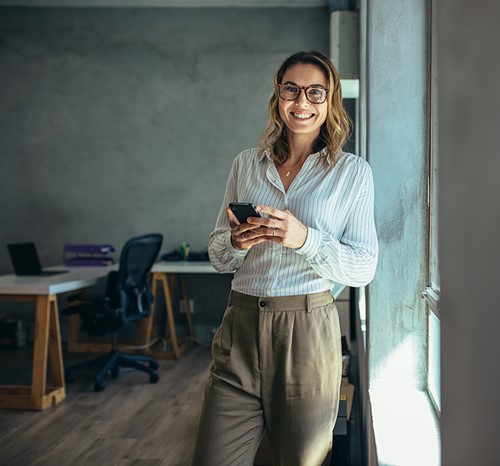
{"x": 264, "y": 153}
{"x": 322, "y": 153}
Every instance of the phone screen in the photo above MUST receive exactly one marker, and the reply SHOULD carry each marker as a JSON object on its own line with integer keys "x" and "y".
{"x": 243, "y": 210}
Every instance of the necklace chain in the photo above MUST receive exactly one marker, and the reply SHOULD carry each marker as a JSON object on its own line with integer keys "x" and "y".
{"x": 293, "y": 169}
{"x": 288, "y": 172}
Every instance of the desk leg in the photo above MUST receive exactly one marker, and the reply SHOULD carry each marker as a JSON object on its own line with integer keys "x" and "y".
{"x": 161, "y": 277}
{"x": 40, "y": 350}
{"x": 47, "y": 343}
{"x": 146, "y": 329}
{"x": 187, "y": 306}
{"x": 55, "y": 346}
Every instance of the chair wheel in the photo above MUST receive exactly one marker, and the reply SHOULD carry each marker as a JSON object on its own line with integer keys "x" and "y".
{"x": 69, "y": 377}
{"x": 154, "y": 365}
{"x": 99, "y": 387}
{"x": 115, "y": 372}
{"x": 153, "y": 378}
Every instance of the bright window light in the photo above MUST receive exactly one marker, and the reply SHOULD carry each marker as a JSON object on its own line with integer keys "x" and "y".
{"x": 406, "y": 432}
{"x": 405, "y": 426}
{"x": 434, "y": 370}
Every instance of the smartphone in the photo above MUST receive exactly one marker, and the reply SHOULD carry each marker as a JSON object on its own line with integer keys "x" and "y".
{"x": 243, "y": 210}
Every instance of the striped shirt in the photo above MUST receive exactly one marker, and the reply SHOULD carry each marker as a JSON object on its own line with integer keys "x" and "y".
{"x": 334, "y": 201}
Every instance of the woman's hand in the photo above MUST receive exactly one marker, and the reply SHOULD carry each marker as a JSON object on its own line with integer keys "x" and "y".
{"x": 244, "y": 235}
{"x": 280, "y": 227}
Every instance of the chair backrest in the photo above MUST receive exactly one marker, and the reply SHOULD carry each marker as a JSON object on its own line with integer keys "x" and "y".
{"x": 132, "y": 280}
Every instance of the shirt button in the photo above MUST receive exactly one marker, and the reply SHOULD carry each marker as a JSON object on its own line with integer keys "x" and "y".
{"x": 262, "y": 304}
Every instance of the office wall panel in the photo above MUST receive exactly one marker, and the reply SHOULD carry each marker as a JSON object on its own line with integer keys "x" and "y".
{"x": 115, "y": 122}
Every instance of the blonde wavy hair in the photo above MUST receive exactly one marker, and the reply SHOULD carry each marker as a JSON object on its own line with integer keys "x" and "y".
{"x": 335, "y": 130}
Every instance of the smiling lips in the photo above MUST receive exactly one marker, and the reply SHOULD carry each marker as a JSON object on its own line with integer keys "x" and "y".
{"x": 302, "y": 116}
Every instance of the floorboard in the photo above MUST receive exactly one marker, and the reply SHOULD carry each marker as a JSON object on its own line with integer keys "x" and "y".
{"x": 132, "y": 422}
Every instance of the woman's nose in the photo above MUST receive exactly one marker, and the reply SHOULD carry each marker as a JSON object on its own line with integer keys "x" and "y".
{"x": 301, "y": 99}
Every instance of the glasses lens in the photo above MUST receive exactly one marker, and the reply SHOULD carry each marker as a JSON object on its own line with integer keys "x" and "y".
{"x": 289, "y": 92}
{"x": 316, "y": 95}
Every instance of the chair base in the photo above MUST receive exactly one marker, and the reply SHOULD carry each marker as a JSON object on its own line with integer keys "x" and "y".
{"x": 111, "y": 363}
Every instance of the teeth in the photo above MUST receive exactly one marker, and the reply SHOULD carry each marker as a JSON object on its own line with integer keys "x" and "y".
{"x": 302, "y": 115}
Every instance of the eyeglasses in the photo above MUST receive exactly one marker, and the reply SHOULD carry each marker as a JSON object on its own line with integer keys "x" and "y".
{"x": 314, "y": 94}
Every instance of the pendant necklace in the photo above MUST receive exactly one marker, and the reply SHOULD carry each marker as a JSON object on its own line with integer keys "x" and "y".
{"x": 289, "y": 172}
{"x": 295, "y": 168}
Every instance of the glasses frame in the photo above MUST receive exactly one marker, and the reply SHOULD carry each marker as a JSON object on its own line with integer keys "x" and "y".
{"x": 303, "y": 88}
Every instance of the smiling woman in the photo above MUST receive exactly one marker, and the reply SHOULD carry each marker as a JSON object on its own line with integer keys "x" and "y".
{"x": 300, "y": 77}
{"x": 277, "y": 359}
{"x": 303, "y": 112}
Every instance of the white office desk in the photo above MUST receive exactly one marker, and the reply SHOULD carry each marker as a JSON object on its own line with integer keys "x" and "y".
{"x": 47, "y": 335}
{"x": 162, "y": 273}
{"x": 183, "y": 267}
{"x": 75, "y": 279}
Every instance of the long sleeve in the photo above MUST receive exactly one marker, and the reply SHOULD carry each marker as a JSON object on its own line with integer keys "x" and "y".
{"x": 352, "y": 259}
{"x": 223, "y": 256}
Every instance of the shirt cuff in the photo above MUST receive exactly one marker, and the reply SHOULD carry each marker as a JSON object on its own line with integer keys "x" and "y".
{"x": 312, "y": 244}
{"x": 239, "y": 253}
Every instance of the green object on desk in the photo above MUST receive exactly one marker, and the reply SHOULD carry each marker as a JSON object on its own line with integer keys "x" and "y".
{"x": 185, "y": 251}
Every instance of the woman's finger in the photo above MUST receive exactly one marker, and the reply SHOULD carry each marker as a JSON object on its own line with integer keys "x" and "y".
{"x": 266, "y": 222}
{"x": 272, "y": 211}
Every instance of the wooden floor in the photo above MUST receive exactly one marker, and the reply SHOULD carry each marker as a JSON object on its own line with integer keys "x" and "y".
{"x": 132, "y": 422}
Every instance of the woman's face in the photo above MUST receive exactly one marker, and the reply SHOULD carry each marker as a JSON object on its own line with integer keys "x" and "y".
{"x": 300, "y": 115}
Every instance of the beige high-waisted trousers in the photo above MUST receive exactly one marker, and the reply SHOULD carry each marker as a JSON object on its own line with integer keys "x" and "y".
{"x": 277, "y": 366}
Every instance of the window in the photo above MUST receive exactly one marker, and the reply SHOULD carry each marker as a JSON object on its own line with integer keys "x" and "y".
{"x": 431, "y": 293}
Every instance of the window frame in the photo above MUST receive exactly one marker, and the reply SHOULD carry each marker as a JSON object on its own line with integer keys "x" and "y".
{"x": 431, "y": 293}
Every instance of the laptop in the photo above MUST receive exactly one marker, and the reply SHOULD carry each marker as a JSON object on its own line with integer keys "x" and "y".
{"x": 25, "y": 261}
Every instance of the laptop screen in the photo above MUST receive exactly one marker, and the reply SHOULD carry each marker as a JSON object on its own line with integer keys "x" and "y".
{"x": 24, "y": 258}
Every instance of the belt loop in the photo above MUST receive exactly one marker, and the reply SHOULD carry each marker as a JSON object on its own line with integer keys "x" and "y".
{"x": 308, "y": 303}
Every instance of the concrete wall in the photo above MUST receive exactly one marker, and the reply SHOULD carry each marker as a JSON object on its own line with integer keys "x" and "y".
{"x": 169, "y": 3}
{"x": 393, "y": 136}
{"x": 115, "y": 122}
{"x": 469, "y": 223}
{"x": 395, "y": 102}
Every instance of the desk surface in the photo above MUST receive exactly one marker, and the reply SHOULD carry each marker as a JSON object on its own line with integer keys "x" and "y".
{"x": 83, "y": 277}
{"x": 206, "y": 267}
{"x": 75, "y": 279}
{"x": 183, "y": 267}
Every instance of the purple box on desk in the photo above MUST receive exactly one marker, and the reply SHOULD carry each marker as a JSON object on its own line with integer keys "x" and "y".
{"x": 88, "y": 254}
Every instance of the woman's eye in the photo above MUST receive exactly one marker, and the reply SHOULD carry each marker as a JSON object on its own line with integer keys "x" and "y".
{"x": 292, "y": 89}
{"x": 315, "y": 91}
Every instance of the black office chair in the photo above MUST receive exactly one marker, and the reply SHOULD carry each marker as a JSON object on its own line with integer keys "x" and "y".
{"x": 127, "y": 300}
